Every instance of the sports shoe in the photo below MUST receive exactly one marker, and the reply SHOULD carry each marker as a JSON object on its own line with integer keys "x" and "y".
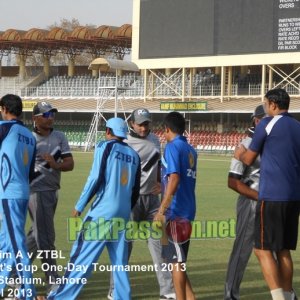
{"x": 12, "y": 280}
{"x": 52, "y": 288}
{"x": 294, "y": 296}
{"x": 110, "y": 295}
{"x": 168, "y": 296}
{"x": 14, "y": 286}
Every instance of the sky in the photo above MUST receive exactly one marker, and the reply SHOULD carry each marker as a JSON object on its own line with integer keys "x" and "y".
{"x": 26, "y": 14}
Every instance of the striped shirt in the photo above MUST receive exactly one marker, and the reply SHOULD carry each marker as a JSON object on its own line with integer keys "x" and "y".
{"x": 148, "y": 150}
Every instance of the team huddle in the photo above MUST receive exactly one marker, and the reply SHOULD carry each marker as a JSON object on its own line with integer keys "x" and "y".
{"x": 131, "y": 181}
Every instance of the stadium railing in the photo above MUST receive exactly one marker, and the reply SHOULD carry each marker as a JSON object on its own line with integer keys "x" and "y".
{"x": 87, "y": 86}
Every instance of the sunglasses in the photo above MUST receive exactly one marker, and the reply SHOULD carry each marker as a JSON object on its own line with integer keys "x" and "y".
{"x": 48, "y": 114}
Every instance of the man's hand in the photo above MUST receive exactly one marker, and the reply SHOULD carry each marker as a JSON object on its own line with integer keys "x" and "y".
{"x": 239, "y": 150}
{"x": 160, "y": 218}
{"x": 76, "y": 213}
{"x": 156, "y": 189}
{"x": 50, "y": 160}
{"x": 67, "y": 164}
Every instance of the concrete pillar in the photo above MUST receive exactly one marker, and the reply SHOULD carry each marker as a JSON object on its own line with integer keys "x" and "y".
{"x": 270, "y": 79}
{"x": 223, "y": 70}
{"x": 22, "y": 66}
{"x": 192, "y": 73}
{"x": 145, "y": 74}
{"x": 95, "y": 73}
{"x": 296, "y": 69}
{"x": 71, "y": 67}
{"x": 229, "y": 80}
{"x": 183, "y": 84}
{"x": 218, "y": 70}
{"x": 244, "y": 70}
{"x": 263, "y": 81}
{"x": 153, "y": 79}
{"x": 168, "y": 71}
{"x": 46, "y": 66}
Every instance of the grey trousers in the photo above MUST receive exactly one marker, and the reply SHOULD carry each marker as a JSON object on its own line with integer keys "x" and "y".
{"x": 41, "y": 236}
{"x": 144, "y": 210}
{"x": 242, "y": 247}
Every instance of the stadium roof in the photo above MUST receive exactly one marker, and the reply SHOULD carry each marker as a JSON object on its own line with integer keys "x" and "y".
{"x": 102, "y": 39}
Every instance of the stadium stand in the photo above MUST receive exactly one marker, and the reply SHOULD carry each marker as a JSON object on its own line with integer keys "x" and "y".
{"x": 229, "y": 91}
{"x": 87, "y": 86}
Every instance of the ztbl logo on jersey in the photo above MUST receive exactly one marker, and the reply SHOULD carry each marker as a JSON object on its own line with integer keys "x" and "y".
{"x": 124, "y": 177}
{"x": 191, "y": 160}
{"x": 25, "y": 157}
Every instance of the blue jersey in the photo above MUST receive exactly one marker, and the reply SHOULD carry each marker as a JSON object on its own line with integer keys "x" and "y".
{"x": 181, "y": 158}
{"x": 17, "y": 156}
{"x": 277, "y": 139}
{"x": 114, "y": 179}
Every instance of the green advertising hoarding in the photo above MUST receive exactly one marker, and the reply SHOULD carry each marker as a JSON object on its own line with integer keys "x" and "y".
{"x": 183, "y": 106}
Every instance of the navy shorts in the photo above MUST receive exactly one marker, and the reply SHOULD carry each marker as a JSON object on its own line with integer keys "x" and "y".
{"x": 276, "y": 225}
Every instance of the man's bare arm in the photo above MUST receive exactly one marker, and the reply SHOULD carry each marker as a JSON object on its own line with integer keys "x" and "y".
{"x": 246, "y": 156}
{"x": 242, "y": 188}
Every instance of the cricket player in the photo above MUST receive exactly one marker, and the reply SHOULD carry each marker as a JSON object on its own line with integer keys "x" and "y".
{"x": 178, "y": 206}
{"x": 53, "y": 156}
{"x": 114, "y": 180}
{"x": 277, "y": 140}
{"x": 245, "y": 181}
{"x": 147, "y": 145}
{"x": 17, "y": 156}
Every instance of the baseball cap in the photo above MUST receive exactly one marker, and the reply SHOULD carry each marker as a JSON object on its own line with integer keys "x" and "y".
{"x": 140, "y": 115}
{"x": 43, "y": 107}
{"x": 118, "y": 126}
{"x": 258, "y": 112}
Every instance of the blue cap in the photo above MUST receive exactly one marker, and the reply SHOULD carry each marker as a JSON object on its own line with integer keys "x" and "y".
{"x": 118, "y": 126}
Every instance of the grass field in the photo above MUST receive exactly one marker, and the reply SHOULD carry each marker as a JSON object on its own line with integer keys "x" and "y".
{"x": 207, "y": 257}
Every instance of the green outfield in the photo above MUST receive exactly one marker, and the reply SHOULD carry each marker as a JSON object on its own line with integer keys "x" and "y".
{"x": 209, "y": 250}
